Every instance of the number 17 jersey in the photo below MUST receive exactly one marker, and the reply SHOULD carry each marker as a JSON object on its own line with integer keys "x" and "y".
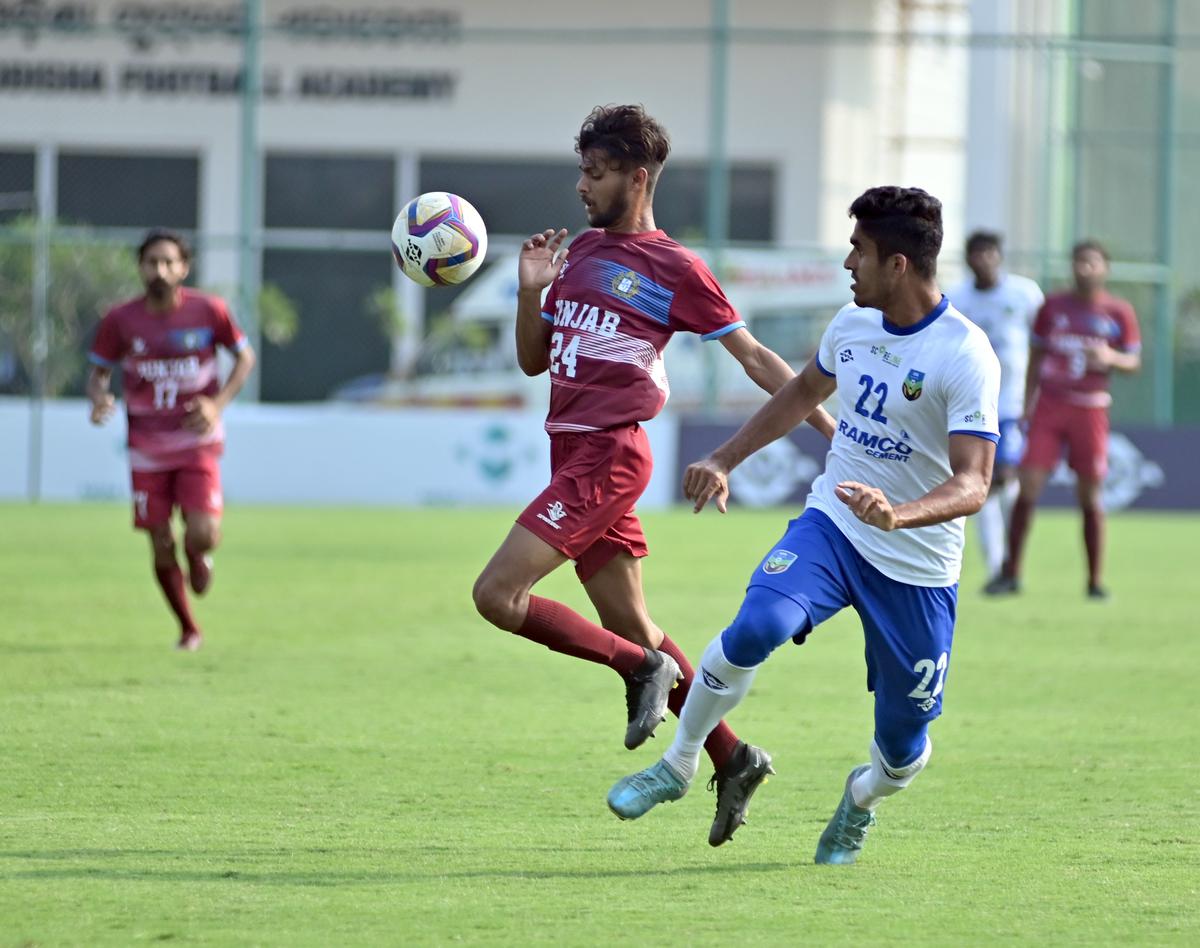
{"x": 614, "y": 306}
{"x": 901, "y": 393}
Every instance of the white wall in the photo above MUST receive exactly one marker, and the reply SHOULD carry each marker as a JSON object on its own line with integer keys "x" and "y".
{"x": 320, "y": 454}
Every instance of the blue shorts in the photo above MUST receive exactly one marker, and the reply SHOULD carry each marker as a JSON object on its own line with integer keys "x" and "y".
{"x": 908, "y": 629}
{"x": 1011, "y": 448}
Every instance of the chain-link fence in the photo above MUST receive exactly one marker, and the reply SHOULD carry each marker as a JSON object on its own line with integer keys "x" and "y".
{"x": 284, "y": 136}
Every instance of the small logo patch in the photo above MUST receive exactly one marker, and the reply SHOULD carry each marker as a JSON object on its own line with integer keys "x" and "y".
{"x": 554, "y": 513}
{"x": 779, "y": 561}
{"x": 712, "y": 681}
{"x": 846, "y": 355}
{"x": 913, "y": 383}
{"x": 626, "y": 284}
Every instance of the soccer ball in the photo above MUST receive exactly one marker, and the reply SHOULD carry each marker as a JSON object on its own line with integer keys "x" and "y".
{"x": 439, "y": 239}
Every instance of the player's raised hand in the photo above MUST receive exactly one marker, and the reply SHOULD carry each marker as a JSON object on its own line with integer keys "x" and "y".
{"x": 102, "y": 409}
{"x": 704, "y": 481}
{"x": 869, "y": 504}
{"x": 1098, "y": 356}
{"x": 542, "y": 257}
{"x": 202, "y": 414}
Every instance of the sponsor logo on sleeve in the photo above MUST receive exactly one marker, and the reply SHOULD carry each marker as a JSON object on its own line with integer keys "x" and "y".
{"x": 779, "y": 561}
{"x": 554, "y": 513}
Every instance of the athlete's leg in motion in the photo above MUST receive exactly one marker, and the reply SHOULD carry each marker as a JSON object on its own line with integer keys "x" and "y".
{"x": 1033, "y": 481}
{"x": 1091, "y": 505}
{"x": 899, "y": 751}
{"x": 202, "y": 533}
{"x": 502, "y": 596}
{"x": 617, "y": 593}
{"x": 994, "y": 518}
{"x": 765, "y": 621}
{"x": 170, "y": 580}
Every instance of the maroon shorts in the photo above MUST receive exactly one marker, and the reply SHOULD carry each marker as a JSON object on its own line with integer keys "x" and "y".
{"x": 1083, "y": 430}
{"x": 196, "y": 487}
{"x": 587, "y": 511}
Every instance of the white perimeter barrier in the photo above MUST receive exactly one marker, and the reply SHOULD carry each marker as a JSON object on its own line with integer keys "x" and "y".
{"x": 319, "y": 454}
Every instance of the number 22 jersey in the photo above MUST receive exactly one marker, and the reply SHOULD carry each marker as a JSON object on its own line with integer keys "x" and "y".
{"x": 901, "y": 393}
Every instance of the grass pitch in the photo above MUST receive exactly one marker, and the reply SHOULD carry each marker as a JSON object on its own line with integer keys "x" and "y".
{"x": 356, "y": 758}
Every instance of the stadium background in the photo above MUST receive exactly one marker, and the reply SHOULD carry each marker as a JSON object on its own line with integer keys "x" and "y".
{"x": 285, "y": 136}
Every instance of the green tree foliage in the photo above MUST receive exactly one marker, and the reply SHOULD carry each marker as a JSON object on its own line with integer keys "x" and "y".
{"x": 86, "y": 277}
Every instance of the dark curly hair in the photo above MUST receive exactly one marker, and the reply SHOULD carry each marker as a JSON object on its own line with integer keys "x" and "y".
{"x": 156, "y": 234}
{"x": 907, "y": 221}
{"x": 629, "y": 137}
{"x": 984, "y": 240}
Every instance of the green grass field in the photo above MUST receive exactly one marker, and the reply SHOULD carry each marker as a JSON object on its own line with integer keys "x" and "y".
{"x": 355, "y": 758}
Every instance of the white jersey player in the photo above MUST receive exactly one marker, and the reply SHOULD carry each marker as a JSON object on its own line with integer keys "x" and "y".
{"x": 1003, "y": 305}
{"x": 917, "y": 386}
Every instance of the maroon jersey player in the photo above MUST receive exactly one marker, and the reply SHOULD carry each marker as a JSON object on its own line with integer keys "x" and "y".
{"x": 611, "y": 309}
{"x": 165, "y": 343}
{"x": 1078, "y": 339}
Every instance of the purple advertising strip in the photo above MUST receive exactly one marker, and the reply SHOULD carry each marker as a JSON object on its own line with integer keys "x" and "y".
{"x": 1148, "y": 468}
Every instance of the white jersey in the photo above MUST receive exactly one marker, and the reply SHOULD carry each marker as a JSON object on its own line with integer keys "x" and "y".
{"x": 902, "y": 391}
{"x": 1005, "y": 312}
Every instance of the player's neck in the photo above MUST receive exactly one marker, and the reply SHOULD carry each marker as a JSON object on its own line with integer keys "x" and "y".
{"x": 638, "y": 221}
{"x": 164, "y": 304}
{"x": 989, "y": 283}
{"x": 911, "y": 305}
{"x": 1088, "y": 295}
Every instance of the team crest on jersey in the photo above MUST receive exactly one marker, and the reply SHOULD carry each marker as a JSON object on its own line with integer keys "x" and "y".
{"x": 190, "y": 340}
{"x": 626, "y": 284}
{"x": 914, "y": 382}
{"x": 778, "y": 561}
{"x": 139, "y": 345}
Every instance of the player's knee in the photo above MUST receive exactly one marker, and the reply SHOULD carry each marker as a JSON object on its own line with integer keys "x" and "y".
{"x": 496, "y": 602}
{"x": 765, "y": 621}
{"x": 202, "y": 539}
{"x": 903, "y": 747}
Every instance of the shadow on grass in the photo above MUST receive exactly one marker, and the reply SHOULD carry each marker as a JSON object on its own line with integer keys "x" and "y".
{"x": 318, "y": 877}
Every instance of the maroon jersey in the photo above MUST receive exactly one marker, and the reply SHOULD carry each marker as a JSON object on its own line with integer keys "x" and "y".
{"x": 614, "y": 306}
{"x": 167, "y": 359}
{"x": 1065, "y": 327}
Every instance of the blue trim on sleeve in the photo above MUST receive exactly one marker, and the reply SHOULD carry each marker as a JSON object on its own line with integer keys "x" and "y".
{"x": 548, "y": 317}
{"x": 817, "y": 360}
{"x": 240, "y": 344}
{"x": 994, "y": 438}
{"x": 100, "y": 361}
{"x": 918, "y": 326}
{"x": 724, "y": 330}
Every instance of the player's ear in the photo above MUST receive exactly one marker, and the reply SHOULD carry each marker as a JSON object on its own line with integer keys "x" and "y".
{"x": 899, "y": 264}
{"x": 641, "y": 177}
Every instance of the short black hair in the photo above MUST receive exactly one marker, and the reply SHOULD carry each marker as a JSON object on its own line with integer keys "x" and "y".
{"x": 155, "y": 234}
{"x": 906, "y": 221}
{"x": 628, "y": 136}
{"x": 1090, "y": 244}
{"x": 984, "y": 240}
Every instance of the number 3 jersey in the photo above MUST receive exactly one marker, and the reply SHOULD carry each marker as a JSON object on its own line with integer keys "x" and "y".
{"x": 166, "y": 360}
{"x": 614, "y": 306}
{"x": 901, "y": 393}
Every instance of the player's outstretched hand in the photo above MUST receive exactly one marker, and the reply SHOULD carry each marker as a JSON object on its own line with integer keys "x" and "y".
{"x": 542, "y": 257}
{"x": 202, "y": 415}
{"x": 102, "y": 410}
{"x": 868, "y": 504}
{"x": 704, "y": 481}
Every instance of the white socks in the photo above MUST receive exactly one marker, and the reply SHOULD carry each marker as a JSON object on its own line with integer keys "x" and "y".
{"x": 992, "y": 520}
{"x": 716, "y": 690}
{"x": 882, "y": 780}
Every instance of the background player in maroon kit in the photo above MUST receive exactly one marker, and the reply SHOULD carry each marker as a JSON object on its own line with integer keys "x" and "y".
{"x": 1078, "y": 338}
{"x": 610, "y": 311}
{"x": 166, "y": 344}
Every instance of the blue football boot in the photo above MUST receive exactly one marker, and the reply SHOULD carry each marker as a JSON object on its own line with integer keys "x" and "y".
{"x": 843, "y": 838}
{"x": 637, "y": 794}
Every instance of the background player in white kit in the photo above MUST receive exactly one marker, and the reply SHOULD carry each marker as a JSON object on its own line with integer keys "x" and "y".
{"x": 882, "y": 530}
{"x": 1003, "y": 305}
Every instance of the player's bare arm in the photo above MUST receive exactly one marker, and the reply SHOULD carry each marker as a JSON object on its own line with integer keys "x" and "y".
{"x": 769, "y": 372}
{"x": 1032, "y": 373}
{"x": 541, "y": 259}
{"x": 1101, "y": 357}
{"x": 203, "y": 412}
{"x": 709, "y": 479}
{"x": 99, "y": 395}
{"x": 962, "y": 495}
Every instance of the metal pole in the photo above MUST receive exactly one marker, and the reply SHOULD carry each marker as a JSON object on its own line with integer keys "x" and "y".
{"x": 46, "y": 198}
{"x": 717, "y": 218}
{"x": 1164, "y": 317}
{"x": 249, "y": 236}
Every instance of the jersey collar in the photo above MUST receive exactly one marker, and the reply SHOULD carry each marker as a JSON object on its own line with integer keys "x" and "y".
{"x": 918, "y": 326}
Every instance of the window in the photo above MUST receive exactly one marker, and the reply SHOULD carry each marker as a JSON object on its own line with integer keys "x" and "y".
{"x": 129, "y": 190}
{"x": 16, "y": 184}
{"x": 339, "y": 192}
